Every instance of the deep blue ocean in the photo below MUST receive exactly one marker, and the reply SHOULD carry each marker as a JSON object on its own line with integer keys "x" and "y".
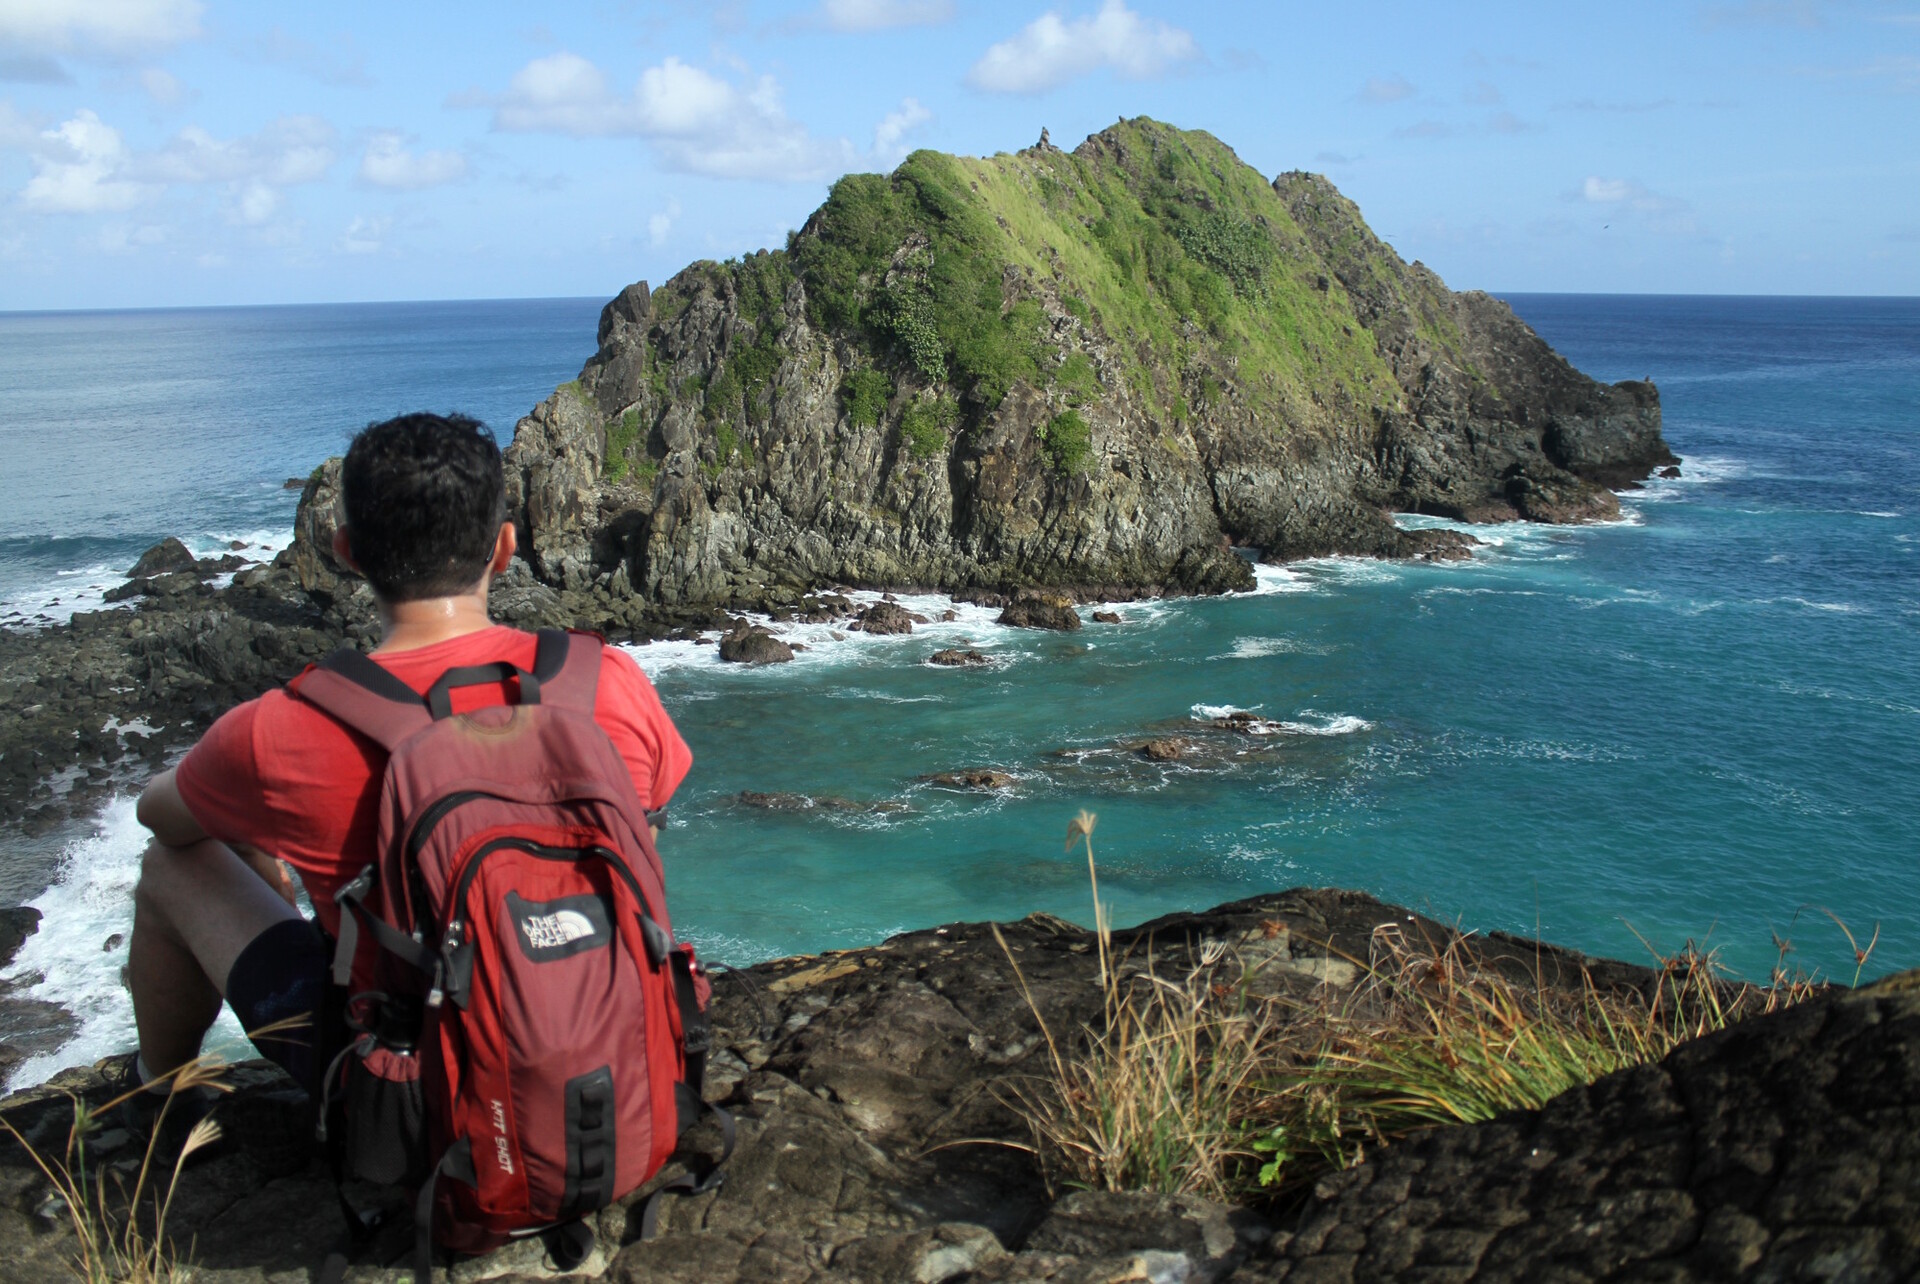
{"x": 1699, "y": 724}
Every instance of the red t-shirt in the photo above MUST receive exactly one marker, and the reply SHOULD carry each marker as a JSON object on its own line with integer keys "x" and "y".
{"x": 278, "y": 774}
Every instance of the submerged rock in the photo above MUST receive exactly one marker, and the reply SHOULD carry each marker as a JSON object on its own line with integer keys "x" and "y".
{"x": 16, "y": 925}
{"x": 973, "y": 778}
{"x": 953, "y": 657}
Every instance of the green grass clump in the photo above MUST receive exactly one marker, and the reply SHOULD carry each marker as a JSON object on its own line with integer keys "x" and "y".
{"x": 865, "y": 394}
{"x": 1068, "y": 443}
{"x": 1076, "y": 380}
{"x": 622, "y": 434}
{"x": 925, "y": 424}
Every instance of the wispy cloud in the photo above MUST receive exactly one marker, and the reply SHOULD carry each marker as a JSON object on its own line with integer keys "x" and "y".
{"x": 889, "y": 136}
{"x": 339, "y": 62}
{"x": 879, "y": 15}
{"x": 696, "y": 121}
{"x": 1054, "y": 49}
{"x": 1591, "y": 104}
{"x": 164, "y": 88}
{"x": 1628, "y": 198}
{"x": 1426, "y": 129}
{"x": 1386, "y": 89}
{"x": 387, "y": 162}
{"x": 1753, "y": 13}
{"x": 363, "y": 236}
{"x": 112, "y": 29}
{"x": 1482, "y": 94}
{"x": 661, "y": 223}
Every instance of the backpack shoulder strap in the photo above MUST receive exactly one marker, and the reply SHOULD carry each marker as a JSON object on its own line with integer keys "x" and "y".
{"x": 364, "y": 696}
{"x": 567, "y": 665}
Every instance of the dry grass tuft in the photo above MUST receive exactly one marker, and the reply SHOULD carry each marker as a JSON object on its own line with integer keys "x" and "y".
{"x": 1218, "y": 1083}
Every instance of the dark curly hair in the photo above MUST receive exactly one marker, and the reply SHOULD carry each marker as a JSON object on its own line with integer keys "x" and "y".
{"x": 424, "y": 498}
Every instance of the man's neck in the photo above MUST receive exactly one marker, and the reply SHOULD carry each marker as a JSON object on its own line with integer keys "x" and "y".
{"x": 407, "y": 626}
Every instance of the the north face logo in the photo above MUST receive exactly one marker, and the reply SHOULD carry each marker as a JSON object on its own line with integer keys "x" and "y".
{"x": 544, "y": 931}
{"x": 557, "y": 929}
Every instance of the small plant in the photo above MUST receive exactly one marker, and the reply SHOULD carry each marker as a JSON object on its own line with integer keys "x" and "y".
{"x": 866, "y": 394}
{"x": 925, "y": 424}
{"x": 1153, "y": 1101}
{"x": 113, "y": 1248}
{"x": 622, "y": 434}
{"x": 1068, "y": 443}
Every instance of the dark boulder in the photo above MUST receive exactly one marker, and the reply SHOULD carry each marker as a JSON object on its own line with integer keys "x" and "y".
{"x": 1106, "y": 617}
{"x": 1041, "y": 613}
{"x": 884, "y": 617}
{"x": 754, "y": 646}
{"x": 956, "y": 658}
{"x": 1671, "y": 471}
{"x": 1786, "y": 1147}
{"x": 16, "y": 925}
{"x": 1164, "y": 749}
{"x": 972, "y": 778}
{"x": 168, "y": 555}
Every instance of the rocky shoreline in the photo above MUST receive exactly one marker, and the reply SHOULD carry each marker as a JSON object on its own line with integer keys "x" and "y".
{"x": 879, "y": 1143}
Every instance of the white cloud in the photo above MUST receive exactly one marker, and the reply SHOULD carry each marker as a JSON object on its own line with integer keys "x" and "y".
{"x": 388, "y": 163}
{"x": 17, "y": 132}
{"x": 1052, "y": 50}
{"x": 78, "y": 170}
{"x": 877, "y": 15}
{"x": 890, "y": 134}
{"x": 113, "y": 28}
{"x": 1386, "y": 89}
{"x": 84, "y": 166}
{"x": 363, "y": 236}
{"x": 697, "y": 122}
{"x": 662, "y": 223}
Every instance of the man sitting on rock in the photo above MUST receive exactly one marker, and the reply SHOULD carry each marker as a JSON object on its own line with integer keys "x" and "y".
{"x": 277, "y": 783}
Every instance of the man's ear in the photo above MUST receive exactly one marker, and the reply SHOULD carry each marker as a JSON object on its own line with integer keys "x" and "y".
{"x": 343, "y": 550}
{"x": 504, "y": 545}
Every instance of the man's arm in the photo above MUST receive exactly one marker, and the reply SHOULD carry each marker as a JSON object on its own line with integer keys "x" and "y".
{"x": 162, "y": 810}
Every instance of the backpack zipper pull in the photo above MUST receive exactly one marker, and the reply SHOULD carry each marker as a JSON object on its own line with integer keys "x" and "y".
{"x": 451, "y": 942}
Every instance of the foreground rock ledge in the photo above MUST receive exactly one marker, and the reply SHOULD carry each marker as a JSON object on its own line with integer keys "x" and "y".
{"x": 1785, "y": 1148}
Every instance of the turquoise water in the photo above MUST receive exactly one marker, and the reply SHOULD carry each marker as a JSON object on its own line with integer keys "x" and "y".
{"x": 1702, "y": 723}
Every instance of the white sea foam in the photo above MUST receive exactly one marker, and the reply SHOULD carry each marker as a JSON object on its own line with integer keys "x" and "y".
{"x": 91, "y": 901}
{"x": 973, "y": 626}
{"x": 1258, "y": 648}
{"x": 1864, "y": 512}
{"x": 1279, "y": 579}
{"x": 1208, "y": 712}
{"x": 84, "y": 588}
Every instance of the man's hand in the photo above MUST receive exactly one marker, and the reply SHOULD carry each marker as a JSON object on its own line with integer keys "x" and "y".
{"x": 162, "y": 810}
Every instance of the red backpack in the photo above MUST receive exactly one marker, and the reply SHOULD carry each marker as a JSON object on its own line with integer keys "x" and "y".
{"x": 517, "y": 1031}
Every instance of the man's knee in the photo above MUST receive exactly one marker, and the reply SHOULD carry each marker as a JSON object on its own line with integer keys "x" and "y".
{"x": 168, "y": 872}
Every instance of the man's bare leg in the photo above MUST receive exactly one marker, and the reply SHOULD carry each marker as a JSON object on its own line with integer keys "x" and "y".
{"x": 195, "y": 909}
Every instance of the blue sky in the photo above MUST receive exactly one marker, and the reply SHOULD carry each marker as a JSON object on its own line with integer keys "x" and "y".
{"x": 178, "y": 152}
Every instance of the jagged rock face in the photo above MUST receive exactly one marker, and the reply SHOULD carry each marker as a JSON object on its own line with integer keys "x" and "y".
{"x": 1092, "y": 371}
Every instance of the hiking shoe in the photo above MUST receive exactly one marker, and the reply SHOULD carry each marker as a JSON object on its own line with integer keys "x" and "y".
{"x": 160, "y": 1125}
